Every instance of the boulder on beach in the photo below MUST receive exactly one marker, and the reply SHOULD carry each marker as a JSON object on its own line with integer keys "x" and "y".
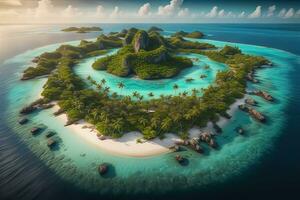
{"x": 250, "y": 101}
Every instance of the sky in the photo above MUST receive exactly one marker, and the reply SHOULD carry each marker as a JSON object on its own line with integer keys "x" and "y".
{"x": 146, "y": 11}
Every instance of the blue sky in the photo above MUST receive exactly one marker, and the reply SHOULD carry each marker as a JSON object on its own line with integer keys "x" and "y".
{"x": 145, "y": 11}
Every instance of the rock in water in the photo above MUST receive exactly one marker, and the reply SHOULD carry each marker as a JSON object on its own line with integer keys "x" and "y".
{"x": 35, "y": 130}
{"x": 179, "y": 158}
{"x": 51, "y": 143}
{"x": 23, "y": 121}
{"x": 102, "y": 169}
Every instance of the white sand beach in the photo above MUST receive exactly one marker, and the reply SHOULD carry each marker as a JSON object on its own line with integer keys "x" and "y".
{"x": 124, "y": 146}
{"x": 128, "y": 145}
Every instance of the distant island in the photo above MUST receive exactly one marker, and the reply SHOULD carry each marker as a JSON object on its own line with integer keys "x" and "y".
{"x": 82, "y": 29}
{"x": 195, "y": 34}
{"x": 148, "y": 55}
{"x": 154, "y": 28}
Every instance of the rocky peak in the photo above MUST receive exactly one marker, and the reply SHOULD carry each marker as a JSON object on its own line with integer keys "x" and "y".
{"x": 141, "y": 41}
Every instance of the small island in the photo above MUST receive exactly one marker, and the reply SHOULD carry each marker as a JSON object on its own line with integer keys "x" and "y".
{"x": 195, "y": 34}
{"x": 82, "y": 29}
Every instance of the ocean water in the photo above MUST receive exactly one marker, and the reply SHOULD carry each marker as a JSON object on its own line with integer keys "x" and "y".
{"x": 267, "y": 153}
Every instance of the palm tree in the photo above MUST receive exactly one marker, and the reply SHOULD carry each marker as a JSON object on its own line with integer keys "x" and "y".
{"x": 106, "y": 89}
{"x": 150, "y": 94}
{"x": 141, "y": 97}
{"x": 121, "y": 85}
{"x": 135, "y": 94}
{"x": 194, "y": 91}
{"x": 185, "y": 93}
{"x": 103, "y": 81}
{"x": 175, "y": 87}
{"x": 99, "y": 86}
{"x": 114, "y": 95}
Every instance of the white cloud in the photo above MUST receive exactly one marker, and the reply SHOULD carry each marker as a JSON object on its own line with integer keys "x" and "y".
{"x": 170, "y": 9}
{"x": 271, "y": 11}
{"x": 256, "y": 13}
{"x": 11, "y": 2}
{"x": 221, "y": 13}
{"x": 144, "y": 10}
{"x": 242, "y": 14}
{"x": 116, "y": 12}
{"x": 287, "y": 13}
{"x": 282, "y": 12}
{"x": 100, "y": 12}
{"x": 184, "y": 12}
{"x": 213, "y": 12}
{"x": 230, "y": 14}
{"x": 44, "y": 9}
{"x": 71, "y": 12}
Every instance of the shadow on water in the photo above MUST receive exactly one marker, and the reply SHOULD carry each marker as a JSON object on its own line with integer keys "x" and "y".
{"x": 111, "y": 173}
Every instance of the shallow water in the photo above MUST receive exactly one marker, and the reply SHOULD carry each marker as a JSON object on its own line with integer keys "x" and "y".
{"x": 236, "y": 157}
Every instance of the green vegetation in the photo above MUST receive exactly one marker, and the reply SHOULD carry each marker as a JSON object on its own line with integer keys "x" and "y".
{"x": 154, "y": 28}
{"x": 47, "y": 62}
{"x": 149, "y": 55}
{"x": 114, "y": 115}
{"x": 81, "y": 29}
{"x": 195, "y": 34}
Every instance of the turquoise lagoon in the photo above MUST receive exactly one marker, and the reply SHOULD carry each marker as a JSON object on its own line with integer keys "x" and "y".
{"x": 76, "y": 161}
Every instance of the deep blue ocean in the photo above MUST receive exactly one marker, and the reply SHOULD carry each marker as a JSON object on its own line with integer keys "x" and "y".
{"x": 275, "y": 176}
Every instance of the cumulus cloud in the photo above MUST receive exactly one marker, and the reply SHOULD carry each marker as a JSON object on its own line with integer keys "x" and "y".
{"x": 287, "y": 13}
{"x": 100, "y": 12}
{"x": 271, "y": 11}
{"x": 11, "y": 2}
{"x": 242, "y": 14}
{"x": 71, "y": 12}
{"x": 116, "y": 12}
{"x": 144, "y": 10}
{"x": 213, "y": 12}
{"x": 256, "y": 13}
{"x": 221, "y": 13}
{"x": 282, "y": 12}
{"x": 184, "y": 12}
{"x": 171, "y": 8}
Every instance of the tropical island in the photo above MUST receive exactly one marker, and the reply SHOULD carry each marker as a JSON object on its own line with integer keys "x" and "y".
{"x": 148, "y": 55}
{"x": 82, "y": 29}
{"x": 194, "y": 34}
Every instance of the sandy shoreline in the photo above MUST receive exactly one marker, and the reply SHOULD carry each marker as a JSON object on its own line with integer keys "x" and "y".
{"x": 128, "y": 145}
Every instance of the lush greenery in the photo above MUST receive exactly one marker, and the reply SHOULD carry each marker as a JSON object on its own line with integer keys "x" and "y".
{"x": 149, "y": 55}
{"x": 195, "y": 34}
{"x": 82, "y": 29}
{"x": 114, "y": 115}
{"x": 154, "y": 28}
{"x": 49, "y": 61}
